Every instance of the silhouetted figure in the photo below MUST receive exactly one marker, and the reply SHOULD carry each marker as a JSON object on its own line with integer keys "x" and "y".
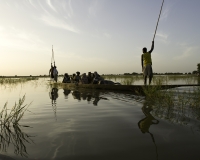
{"x": 84, "y": 79}
{"x": 66, "y": 78}
{"x": 55, "y": 73}
{"x": 97, "y": 78}
{"x": 147, "y": 64}
{"x": 77, "y": 77}
{"x": 73, "y": 78}
{"x": 51, "y": 72}
{"x": 90, "y": 77}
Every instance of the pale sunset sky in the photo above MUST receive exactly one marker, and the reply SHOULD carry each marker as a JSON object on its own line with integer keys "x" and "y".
{"x": 106, "y": 36}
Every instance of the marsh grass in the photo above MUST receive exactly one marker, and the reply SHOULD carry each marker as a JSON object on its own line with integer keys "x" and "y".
{"x": 124, "y": 79}
{"x": 12, "y": 82}
{"x": 11, "y": 132}
{"x": 176, "y": 106}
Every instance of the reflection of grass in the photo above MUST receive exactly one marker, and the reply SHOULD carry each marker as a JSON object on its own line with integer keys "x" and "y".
{"x": 11, "y": 132}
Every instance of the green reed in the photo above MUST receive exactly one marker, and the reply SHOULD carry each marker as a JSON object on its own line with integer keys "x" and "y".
{"x": 13, "y": 115}
{"x": 174, "y": 105}
{"x": 10, "y": 129}
{"x": 16, "y": 80}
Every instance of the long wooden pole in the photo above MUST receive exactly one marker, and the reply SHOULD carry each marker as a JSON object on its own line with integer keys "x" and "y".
{"x": 158, "y": 20}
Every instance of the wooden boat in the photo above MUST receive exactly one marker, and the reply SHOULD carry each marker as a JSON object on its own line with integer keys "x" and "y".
{"x": 133, "y": 88}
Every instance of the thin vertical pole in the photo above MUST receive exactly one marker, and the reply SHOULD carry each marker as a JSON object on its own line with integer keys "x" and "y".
{"x": 158, "y": 20}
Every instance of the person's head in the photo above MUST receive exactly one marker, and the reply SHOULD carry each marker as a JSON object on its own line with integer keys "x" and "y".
{"x": 78, "y": 73}
{"x": 66, "y": 74}
{"x": 89, "y": 73}
{"x": 144, "y": 50}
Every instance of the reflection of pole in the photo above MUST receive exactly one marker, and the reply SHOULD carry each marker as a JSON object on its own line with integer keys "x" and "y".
{"x": 154, "y": 144}
{"x": 54, "y": 110}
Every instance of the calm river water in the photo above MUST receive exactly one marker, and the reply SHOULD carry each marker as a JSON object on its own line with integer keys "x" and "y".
{"x": 95, "y": 125}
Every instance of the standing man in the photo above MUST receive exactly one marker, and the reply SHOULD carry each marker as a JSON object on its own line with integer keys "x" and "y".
{"x": 55, "y": 74}
{"x": 147, "y": 64}
{"x": 51, "y": 72}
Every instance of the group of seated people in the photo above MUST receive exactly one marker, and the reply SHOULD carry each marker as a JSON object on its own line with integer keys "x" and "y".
{"x": 91, "y": 78}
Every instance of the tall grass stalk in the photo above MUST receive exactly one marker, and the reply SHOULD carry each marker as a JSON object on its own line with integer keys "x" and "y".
{"x": 174, "y": 105}
{"x": 11, "y": 132}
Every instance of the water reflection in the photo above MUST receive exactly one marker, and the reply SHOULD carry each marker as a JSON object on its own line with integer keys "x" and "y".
{"x": 66, "y": 93}
{"x": 53, "y": 94}
{"x": 16, "y": 137}
{"x": 89, "y": 96}
{"x": 145, "y": 123}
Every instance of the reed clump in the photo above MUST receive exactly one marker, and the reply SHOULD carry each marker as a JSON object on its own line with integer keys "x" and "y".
{"x": 10, "y": 131}
{"x": 5, "y": 81}
{"x": 174, "y": 105}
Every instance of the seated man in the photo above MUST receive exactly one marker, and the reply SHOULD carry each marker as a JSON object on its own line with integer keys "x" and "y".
{"x": 97, "y": 78}
{"x": 77, "y": 77}
{"x": 90, "y": 77}
{"x": 84, "y": 79}
{"x": 66, "y": 78}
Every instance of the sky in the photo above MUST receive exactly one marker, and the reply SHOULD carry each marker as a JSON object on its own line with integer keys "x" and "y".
{"x": 106, "y": 36}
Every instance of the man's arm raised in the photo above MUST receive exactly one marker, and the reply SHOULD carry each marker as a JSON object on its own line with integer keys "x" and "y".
{"x": 152, "y": 47}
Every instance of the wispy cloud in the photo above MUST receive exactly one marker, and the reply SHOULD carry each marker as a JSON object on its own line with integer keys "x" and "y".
{"x": 164, "y": 14}
{"x": 162, "y": 35}
{"x": 12, "y": 37}
{"x": 59, "y": 23}
{"x": 50, "y": 5}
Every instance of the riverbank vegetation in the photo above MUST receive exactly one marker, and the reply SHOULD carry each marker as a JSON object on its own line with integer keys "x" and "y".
{"x": 176, "y": 105}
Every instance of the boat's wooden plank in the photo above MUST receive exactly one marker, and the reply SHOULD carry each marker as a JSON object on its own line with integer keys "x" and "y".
{"x": 135, "y": 88}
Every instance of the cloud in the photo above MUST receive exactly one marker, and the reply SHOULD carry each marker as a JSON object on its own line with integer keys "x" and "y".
{"x": 58, "y": 23}
{"x": 162, "y": 37}
{"x": 164, "y": 14}
{"x": 50, "y": 5}
{"x": 12, "y": 37}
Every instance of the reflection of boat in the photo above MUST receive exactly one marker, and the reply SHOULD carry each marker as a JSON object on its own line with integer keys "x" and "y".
{"x": 134, "y": 88}
{"x": 89, "y": 96}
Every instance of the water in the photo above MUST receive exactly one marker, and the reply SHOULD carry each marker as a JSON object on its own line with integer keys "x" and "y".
{"x": 96, "y": 125}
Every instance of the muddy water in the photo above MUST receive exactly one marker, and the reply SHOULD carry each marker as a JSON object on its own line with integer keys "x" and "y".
{"x": 96, "y": 125}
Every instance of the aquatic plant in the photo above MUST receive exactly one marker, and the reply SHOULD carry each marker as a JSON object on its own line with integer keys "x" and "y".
{"x": 174, "y": 105}
{"x": 5, "y": 81}
{"x": 10, "y": 131}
